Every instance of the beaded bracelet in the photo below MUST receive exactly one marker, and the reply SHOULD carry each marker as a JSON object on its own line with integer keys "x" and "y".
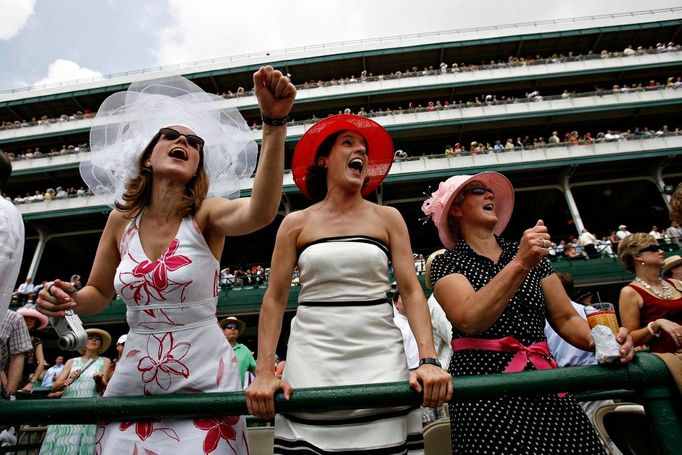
{"x": 651, "y": 330}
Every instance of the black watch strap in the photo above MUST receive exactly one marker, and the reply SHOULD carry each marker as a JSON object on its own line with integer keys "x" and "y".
{"x": 430, "y": 361}
{"x": 274, "y": 121}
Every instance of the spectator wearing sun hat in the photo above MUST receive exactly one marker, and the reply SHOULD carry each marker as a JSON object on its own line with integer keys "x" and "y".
{"x": 82, "y": 377}
{"x": 232, "y": 328}
{"x": 622, "y": 232}
{"x": 34, "y": 361}
{"x": 672, "y": 268}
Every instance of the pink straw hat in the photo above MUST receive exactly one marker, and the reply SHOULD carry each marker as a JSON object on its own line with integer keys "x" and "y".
{"x": 438, "y": 205}
{"x": 29, "y": 311}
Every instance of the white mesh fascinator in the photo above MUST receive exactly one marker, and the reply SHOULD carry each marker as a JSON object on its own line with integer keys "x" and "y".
{"x": 127, "y": 121}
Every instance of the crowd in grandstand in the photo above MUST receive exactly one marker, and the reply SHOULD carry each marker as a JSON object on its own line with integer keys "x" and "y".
{"x": 444, "y": 68}
{"x": 475, "y": 147}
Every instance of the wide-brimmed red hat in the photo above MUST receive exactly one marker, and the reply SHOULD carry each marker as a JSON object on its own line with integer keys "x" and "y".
{"x": 379, "y": 147}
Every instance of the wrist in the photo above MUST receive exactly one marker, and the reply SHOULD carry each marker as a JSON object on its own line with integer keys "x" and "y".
{"x": 653, "y": 330}
{"x": 274, "y": 121}
{"x": 429, "y": 361}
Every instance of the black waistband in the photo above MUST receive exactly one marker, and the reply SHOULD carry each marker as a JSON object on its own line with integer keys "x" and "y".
{"x": 345, "y": 303}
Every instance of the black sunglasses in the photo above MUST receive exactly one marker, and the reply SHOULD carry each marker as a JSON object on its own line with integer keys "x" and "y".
{"x": 232, "y": 327}
{"x": 192, "y": 139}
{"x": 650, "y": 249}
{"x": 478, "y": 190}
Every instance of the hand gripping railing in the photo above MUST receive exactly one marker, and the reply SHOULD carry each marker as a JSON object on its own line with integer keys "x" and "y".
{"x": 647, "y": 376}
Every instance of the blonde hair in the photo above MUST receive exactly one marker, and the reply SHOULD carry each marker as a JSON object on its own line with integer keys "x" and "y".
{"x": 138, "y": 190}
{"x": 630, "y": 246}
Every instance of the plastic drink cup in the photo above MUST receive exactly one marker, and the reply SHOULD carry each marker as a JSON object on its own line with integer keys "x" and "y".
{"x": 602, "y": 314}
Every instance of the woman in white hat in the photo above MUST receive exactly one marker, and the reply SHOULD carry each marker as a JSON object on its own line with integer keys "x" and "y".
{"x": 344, "y": 332}
{"x": 497, "y": 295}
{"x": 82, "y": 377}
{"x": 165, "y": 152}
{"x": 34, "y": 361}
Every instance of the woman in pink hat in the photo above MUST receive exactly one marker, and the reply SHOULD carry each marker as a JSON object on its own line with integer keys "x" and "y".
{"x": 343, "y": 332}
{"x": 497, "y": 295}
{"x": 34, "y": 362}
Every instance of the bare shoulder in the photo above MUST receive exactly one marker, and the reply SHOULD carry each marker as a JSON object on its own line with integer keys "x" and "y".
{"x": 295, "y": 221}
{"x": 116, "y": 224}
{"x": 629, "y": 295}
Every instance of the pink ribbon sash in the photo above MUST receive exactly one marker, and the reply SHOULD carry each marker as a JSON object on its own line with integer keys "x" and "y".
{"x": 537, "y": 354}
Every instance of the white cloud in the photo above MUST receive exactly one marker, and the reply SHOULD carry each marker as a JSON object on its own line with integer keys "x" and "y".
{"x": 62, "y": 70}
{"x": 218, "y": 29}
{"x": 15, "y": 13}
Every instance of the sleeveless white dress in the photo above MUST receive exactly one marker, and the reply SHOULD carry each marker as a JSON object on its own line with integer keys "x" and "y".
{"x": 343, "y": 334}
{"x": 174, "y": 346}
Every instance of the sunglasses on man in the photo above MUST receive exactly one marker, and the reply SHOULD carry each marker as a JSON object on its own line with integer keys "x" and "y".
{"x": 192, "y": 139}
{"x": 232, "y": 327}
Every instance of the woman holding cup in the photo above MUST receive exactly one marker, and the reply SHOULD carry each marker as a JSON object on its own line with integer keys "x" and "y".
{"x": 650, "y": 306}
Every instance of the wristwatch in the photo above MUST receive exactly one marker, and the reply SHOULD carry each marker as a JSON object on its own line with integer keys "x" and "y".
{"x": 429, "y": 361}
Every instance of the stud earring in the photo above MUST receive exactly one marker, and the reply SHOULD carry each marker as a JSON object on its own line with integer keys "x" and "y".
{"x": 148, "y": 163}
{"x": 642, "y": 262}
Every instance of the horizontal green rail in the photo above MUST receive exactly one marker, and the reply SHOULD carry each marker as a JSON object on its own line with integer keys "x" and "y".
{"x": 647, "y": 375}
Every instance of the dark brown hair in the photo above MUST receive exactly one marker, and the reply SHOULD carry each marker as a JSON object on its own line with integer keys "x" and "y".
{"x": 5, "y": 169}
{"x": 138, "y": 190}
{"x": 316, "y": 176}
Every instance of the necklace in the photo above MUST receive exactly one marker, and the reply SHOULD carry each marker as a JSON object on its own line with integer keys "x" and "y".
{"x": 666, "y": 291}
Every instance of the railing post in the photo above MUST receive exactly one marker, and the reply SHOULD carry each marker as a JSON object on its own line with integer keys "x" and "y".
{"x": 658, "y": 402}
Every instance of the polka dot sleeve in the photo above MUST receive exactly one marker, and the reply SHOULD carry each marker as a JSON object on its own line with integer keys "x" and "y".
{"x": 544, "y": 268}
{"x": 441, "y": 266}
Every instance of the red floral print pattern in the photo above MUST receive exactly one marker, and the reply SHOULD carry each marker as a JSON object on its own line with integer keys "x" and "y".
{"x": 145, "y": 429}
{"x": 218, "y": 428}
{"x": 149, "y": 280}
{"x": 162, "y": 362}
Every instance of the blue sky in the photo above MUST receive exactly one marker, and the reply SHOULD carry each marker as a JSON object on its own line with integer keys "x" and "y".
{"x": 44, "y": 41}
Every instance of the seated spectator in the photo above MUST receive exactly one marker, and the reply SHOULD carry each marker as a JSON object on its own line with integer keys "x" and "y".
{"x": 226, "y": 278}
{"x": 25, "y": 290}
{"x": 650, "y": 307}
{"x": 565, "y": 353}
{"x": 53, "y": 372}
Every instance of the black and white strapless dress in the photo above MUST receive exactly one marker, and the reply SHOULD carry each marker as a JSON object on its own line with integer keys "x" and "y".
{"x": 343, "y": 333}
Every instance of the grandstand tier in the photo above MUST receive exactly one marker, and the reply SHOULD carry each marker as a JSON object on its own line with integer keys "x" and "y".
{"x": 610, "y": 87}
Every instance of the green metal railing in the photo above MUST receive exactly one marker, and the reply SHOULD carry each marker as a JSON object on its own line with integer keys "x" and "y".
{"x": 647, "y": 376}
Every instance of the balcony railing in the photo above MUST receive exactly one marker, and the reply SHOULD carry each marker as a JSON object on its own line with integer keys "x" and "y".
{"x": 647, "y": 377}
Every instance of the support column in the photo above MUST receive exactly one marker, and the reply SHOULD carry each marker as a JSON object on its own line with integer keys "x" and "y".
{"x": 286, "y": 203}
{"x": 660, "y": 183}
{"x": 43, "y": 238}
{"x": 575, "y": 213}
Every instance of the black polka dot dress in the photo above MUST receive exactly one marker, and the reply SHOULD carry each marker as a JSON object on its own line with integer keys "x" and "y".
{"x": 540, "y": 424}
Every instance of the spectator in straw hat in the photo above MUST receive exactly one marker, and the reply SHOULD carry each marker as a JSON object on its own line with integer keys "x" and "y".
{"x": 232, "y": 328}
{"x": 82, "y": 377}
{"x": 672, "y": 267}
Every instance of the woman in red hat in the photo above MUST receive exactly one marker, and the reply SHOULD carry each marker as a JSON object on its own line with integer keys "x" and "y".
{"x": 343, "y": 332}
{"x": 497, "y": 295}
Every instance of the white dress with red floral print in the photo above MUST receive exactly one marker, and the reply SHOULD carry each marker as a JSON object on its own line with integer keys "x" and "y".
{"x": 174, "y": 346}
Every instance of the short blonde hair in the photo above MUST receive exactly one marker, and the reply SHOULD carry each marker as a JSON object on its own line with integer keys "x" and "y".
{"x": 630, "y": 246}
